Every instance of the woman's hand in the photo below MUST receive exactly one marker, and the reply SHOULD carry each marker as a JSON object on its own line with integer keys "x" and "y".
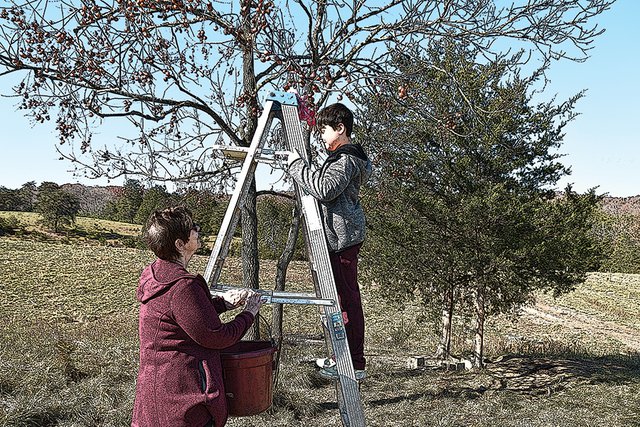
{"x": 253, "y": 303}
{"x": 234, "y": 298}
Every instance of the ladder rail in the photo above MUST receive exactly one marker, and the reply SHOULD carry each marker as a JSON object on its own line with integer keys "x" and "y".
{"x": 347, "y": 386}
{"x": 230, "y": 221}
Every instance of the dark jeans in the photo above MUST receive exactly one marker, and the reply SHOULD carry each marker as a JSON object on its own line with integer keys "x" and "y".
{"x": 345, "y": 272}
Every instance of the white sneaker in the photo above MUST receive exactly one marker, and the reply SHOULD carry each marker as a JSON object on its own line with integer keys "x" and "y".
{"x": 332, "y": 373}
{"x": 329, "y": 373}
{"x": 325, "y": 362}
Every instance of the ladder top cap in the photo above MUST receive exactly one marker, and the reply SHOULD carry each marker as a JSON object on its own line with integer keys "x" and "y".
{"x": 284, "y": 98}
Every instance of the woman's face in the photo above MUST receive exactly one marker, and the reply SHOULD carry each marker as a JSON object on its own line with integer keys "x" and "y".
{"x": 193, "y": 244}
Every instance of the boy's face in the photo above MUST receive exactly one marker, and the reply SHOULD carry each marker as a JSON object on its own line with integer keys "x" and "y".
{"x": 333, "y": 138}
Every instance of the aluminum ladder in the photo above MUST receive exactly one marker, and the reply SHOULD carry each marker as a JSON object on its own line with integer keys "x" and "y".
{"x": 284, "y": 107}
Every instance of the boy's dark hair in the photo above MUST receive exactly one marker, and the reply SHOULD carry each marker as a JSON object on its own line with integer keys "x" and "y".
{"x": 333, "y": 115}
{"x": 164, "y": 227}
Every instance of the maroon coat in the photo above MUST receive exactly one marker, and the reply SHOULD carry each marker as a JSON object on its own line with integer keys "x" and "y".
{"x": 180, "y": 375}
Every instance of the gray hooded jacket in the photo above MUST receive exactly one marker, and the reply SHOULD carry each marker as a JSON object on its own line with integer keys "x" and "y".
{"x": 336, "y": 185}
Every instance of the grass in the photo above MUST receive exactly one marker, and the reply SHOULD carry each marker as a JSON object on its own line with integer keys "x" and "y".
{"x": 608, "y": 296}
{"x": 68, "y": 352}
{"x": 90, "y": 231}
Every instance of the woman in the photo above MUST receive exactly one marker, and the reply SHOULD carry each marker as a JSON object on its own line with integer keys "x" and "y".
{"x": 181, "y": 335}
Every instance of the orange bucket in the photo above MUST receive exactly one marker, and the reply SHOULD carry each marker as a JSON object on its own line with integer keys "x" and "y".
{"x": 247, "y": 369}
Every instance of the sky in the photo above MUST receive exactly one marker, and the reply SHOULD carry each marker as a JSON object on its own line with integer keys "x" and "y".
{"x": 601, "y": 146}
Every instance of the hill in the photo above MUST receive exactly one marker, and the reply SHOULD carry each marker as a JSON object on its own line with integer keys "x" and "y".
{"x": 93, "y": 199}
{"x": 622, "y": 205}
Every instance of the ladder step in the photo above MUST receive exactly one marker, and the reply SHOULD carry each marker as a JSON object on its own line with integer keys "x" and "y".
{"x": 280, "y": 297}
{"x": 237, "y": 153}
{"x": 232, "y": 151}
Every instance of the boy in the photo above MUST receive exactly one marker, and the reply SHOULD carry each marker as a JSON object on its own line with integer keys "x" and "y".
{"x": 336, "y": 186}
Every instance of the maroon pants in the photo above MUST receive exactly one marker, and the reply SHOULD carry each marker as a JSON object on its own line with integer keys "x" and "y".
{"x": 345, "y": 272}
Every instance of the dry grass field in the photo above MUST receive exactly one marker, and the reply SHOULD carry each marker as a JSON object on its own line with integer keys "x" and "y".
{"x": 68, "y": 349}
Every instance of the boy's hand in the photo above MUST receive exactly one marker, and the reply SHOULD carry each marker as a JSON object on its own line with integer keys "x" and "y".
{"x": 292, "y": 156}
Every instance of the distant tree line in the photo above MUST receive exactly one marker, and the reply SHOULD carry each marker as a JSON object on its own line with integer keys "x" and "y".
{"x": 133, "y": 203}
{"x": 617, "y": 232}
{"x": 57, "y": 207}
{"x": 619, "y": 235}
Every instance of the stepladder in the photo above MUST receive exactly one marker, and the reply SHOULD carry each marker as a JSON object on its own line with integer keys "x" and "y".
{"x": 283, "y": 106}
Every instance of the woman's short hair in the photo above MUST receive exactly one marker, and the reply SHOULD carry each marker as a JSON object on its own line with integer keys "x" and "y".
{"x": 164, "y": 227}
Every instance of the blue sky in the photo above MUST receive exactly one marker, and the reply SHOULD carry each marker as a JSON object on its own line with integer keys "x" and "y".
{"x": 602, "y": 145}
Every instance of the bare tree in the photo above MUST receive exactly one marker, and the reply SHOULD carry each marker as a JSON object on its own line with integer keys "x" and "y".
{"x": 187, "y": 74}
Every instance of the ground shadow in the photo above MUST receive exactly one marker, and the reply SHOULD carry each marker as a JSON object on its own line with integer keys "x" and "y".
{"x": 542, "y": 375}
{"x": 522, "y": 374}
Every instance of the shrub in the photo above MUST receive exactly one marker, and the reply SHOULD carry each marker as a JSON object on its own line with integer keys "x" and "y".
{"x": 9, "y": 224}
{"x": 619, "y": 234}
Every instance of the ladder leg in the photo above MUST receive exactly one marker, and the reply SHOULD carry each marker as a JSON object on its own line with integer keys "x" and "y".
{"x": 230, "y": 221}
{"x": 347, "y": 387}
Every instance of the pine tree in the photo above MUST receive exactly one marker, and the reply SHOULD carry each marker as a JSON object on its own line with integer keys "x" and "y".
{"x": 462, "y": 209}
{"x": 57, "y": 207}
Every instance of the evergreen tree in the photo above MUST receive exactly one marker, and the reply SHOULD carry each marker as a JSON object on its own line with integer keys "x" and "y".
{"x": 274, "y": 219}
{"x": 154, "y": 198}
{"x": 207, "y": 207}
{"x": 619, "y": 234}
{"x": 18, "y": 200}
{"x": 57, "y": 207}
{"x": 9, "y": 199}
{"x": 28, "y": 193}
{"x": 127, "y": 205}
{"x": 462, "y": 209}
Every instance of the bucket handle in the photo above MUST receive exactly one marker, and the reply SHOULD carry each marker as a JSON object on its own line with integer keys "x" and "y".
{"x": 269, "y": 330}
{"x": 275, "y": 362}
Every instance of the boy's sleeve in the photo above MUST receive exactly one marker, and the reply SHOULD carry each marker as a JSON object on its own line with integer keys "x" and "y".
{"x": 194, "y": 313}
{"x": 326, "y": 183}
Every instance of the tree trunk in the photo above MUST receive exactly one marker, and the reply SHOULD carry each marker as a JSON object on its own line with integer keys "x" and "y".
{"x": 249, "y": 219}
{"x": 478, "y": 350}
{"x": 250, "y": 256}
{"x": 281, "y": 272}
{"x": 281, "y": 277}
{"x": 444, "y": 347}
